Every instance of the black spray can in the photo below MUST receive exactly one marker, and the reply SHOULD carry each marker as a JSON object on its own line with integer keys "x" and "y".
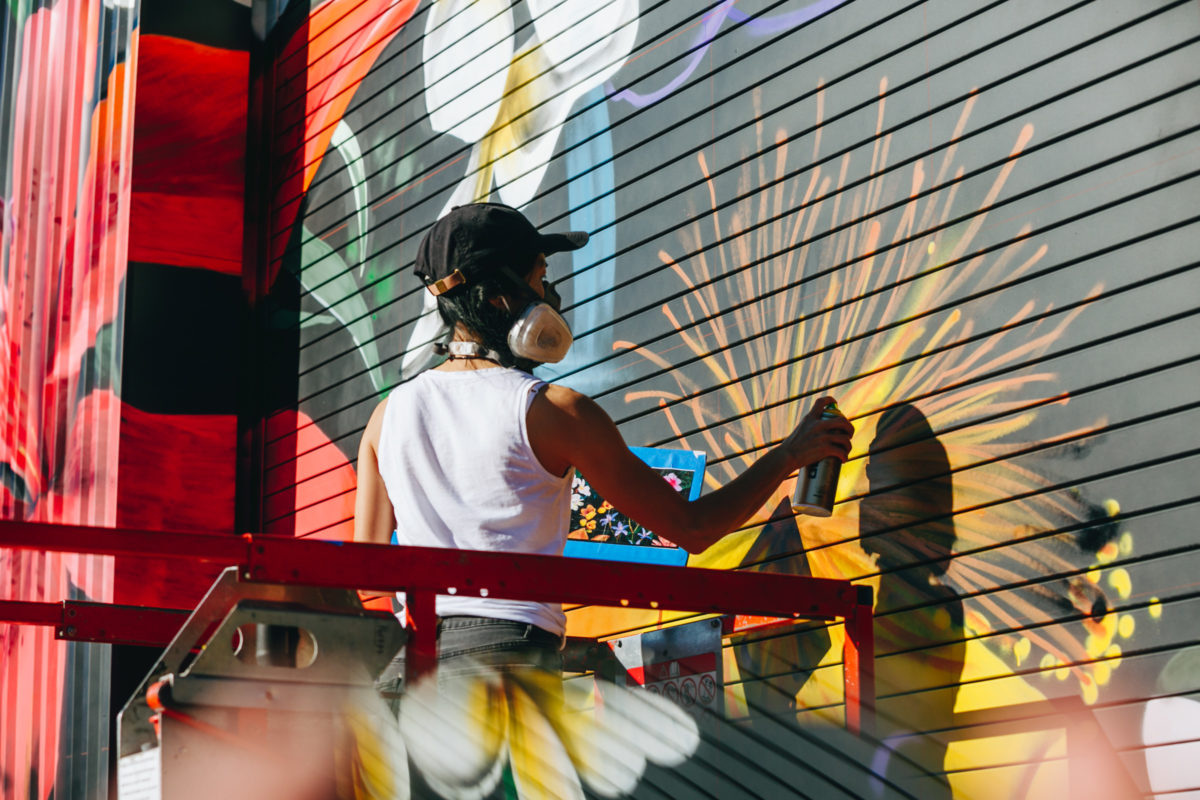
{"x": 816, "y": 487}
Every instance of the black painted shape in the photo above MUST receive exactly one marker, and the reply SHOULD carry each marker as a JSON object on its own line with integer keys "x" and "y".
{"x": 217, "y": 23}
{"x": 182, "y": 334}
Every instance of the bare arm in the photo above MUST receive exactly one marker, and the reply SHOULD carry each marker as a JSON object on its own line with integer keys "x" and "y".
{"x": 374, "y": 519}
{"x": 568, "y": 429}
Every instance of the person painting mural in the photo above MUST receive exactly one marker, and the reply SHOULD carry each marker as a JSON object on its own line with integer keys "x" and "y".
{"x": 478, "y": 454}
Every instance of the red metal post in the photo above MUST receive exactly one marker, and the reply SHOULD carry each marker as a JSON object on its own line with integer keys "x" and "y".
{"x": 859, "y": 664}
{"x": 420, "y": 650}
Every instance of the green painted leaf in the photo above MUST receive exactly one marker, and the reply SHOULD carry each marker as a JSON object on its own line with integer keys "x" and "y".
{"x": 324, "y": 275}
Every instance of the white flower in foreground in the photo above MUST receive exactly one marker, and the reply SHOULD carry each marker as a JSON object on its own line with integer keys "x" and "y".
{"x": 460, "y": 735}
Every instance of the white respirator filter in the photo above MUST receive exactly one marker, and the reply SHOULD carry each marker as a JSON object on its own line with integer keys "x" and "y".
{"x": 540, "y": 334}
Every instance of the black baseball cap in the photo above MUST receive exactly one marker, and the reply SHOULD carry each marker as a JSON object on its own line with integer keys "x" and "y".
{"x": 475, "y": 239}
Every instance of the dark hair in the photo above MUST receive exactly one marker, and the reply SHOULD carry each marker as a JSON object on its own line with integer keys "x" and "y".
{"x": 471, "y": 305}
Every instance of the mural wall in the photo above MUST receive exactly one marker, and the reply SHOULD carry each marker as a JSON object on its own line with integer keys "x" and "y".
{"x": 185, "y": 309}
{"x": 972, "y": 223}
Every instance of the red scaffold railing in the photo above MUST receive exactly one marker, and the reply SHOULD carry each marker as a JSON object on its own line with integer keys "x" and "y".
{"x": 423, "y": 573}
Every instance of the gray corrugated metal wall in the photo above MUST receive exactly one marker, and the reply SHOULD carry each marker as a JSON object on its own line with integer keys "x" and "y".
{"x": 974, "y": 223}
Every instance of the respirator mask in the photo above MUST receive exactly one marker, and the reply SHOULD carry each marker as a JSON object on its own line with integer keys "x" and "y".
{"x": 538, "y": 333}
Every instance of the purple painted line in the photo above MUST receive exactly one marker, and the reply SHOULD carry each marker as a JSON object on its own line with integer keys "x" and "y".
{"x": 764, "y": 26}
{"x": 709, "y": 30}
{"x": 755, "y": 25}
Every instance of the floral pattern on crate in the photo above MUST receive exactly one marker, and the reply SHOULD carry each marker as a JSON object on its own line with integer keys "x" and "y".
{"x": 594, "y": 519}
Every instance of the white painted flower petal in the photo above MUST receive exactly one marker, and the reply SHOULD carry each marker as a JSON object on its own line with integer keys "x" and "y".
{"x": 378, "y": 752}
{"x": 573, "y": 52}
{"x": 429, "y": 328}
{"x": 466, "y": 51}
{"x": 582, "y": 37}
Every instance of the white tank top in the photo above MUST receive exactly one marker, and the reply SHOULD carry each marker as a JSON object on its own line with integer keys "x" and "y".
{"x": 455, "y": 457}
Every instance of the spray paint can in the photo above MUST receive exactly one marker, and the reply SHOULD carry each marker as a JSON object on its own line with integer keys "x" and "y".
{"x": 816, "y": 486}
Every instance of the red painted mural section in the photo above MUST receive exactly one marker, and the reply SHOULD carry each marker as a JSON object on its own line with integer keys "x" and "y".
{"x": 317, "y": 74}
{"x": 310, "y": 490}
{"x": 100, "y": 192}
{"x": 177, "y": 474}
{"x": 178, "y": 468}
{"x": 189, "y": 164}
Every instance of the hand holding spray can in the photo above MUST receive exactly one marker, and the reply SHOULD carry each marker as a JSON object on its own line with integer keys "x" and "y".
{"x": 816, "y": 486}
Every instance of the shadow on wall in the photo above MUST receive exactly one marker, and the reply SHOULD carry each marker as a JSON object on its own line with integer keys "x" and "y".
{"x": 907, "y": 524}
{"x": 776, "y": 668}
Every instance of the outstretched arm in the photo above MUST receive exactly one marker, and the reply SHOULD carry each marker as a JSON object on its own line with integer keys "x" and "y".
{"x": 569, "y": 429}
{"x": 374, "y": 519}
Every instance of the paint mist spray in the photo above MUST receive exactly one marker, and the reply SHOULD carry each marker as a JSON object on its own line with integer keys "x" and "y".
{"x": 816, "y": 487}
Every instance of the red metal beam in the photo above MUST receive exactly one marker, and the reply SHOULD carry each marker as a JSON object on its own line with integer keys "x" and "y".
{"x": 513, "y": 576}
{"x": 98, "y": 622}
{"x": 224, "y": 549}
{"x": 545, "y": 578}
{"x": 21, "y": 612}
{"x": 746, "y": 623}
{"x": 102, "y": 622}
{"x": 424, "y": 572}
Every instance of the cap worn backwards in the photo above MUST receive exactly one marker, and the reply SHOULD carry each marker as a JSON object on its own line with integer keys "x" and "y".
{"x": 481, "y": 237}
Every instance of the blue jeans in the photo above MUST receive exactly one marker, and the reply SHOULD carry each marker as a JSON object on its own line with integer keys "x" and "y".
{"x": 470, "y": 645}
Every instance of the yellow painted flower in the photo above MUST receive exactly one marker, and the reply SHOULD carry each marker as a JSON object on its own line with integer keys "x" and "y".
{"x": 1119, "y": 579}
{"x": 1101, "y": 633}
{"x": 1021, "y": 650}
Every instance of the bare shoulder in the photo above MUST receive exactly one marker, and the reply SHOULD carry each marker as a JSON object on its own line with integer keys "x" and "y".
{"x": 566, "y": 402}
{"x": 375, "y": 424}
{"x": 565, "y": 426}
